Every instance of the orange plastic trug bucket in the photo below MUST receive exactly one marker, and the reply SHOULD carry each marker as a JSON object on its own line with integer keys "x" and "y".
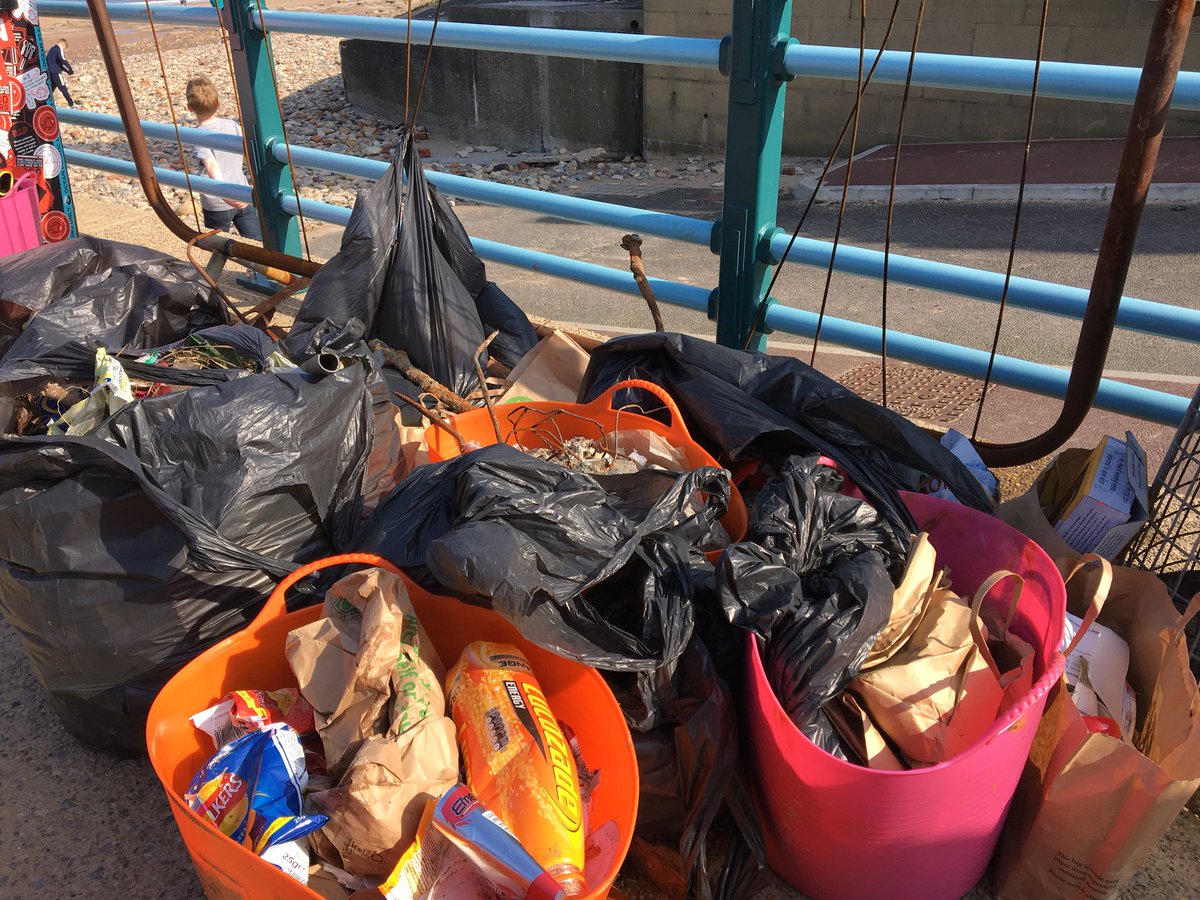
{"x": 525, "y": 424}
{"x": 254, "y": 658}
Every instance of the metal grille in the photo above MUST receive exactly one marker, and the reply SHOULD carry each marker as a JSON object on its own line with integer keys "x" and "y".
{"x": 1169, "y": 545}
{"x": 916, "y": 392}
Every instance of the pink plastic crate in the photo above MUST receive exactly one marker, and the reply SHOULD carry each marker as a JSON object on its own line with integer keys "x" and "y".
{"x": 19, "y": 219}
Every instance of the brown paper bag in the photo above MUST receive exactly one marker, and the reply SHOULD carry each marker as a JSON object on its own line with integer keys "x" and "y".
{"x": 323, "y": 884}
{"x": 1089, "y": 808}
{"x": 909, "y": 601}
{"x": 375, "y": 811}
{"x": 864, "y": 737}
{"x": 936, "y": 696}
{"x": 368, "y": 668}
{"x": 648, "y": 448}
{"x": 414, "y": 449}
{"x": 552, "y": 371}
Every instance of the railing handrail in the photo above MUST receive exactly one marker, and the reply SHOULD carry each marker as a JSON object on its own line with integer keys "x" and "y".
{"x": 991, "y": 74}
{"x": 1013, "y": 76}
{"x": 1137, "y": 314}
{"x": 1115, "y": 396}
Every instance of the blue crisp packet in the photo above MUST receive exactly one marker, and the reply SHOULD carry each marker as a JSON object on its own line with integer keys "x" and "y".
{"x": 252, "y": 792}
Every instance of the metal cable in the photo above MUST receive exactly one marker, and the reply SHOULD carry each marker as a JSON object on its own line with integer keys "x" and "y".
{"x": 407, "y": 58}
{"x": 287, "y": 144}
{"x": 837, "y": 231}
{"x": 887, "y": 240}
{"x": 812, "y": 198}
{"x": 1012, "y": 249}
{"x": 187, "y": 175}
{"x": 437, "y": 14}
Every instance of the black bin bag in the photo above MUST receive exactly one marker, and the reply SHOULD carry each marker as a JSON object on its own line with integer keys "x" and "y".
{"x": 601, "y": 569}
{"x": 743, "y": 404}
{"x": 126, "y": 552}
{"x": 577, "y": 562}
{"x": 814, "y": 580}
{"x": 406, "y": 274}
{"x": 119, "y": 295}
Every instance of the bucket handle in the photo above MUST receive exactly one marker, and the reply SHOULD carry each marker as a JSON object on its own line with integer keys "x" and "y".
{"x": 1099, "y": 595}
{"x": 977, "y": 607}
{"x": 676, "y": 428}
{"x": 10, "y": 186}
{"x": 276, "y": 604}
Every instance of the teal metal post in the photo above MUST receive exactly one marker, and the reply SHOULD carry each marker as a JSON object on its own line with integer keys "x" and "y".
{"x": 254, "y": 80}
{"x": 753, "y": 146}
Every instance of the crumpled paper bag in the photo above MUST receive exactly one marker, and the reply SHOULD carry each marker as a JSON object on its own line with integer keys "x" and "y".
{"x": 909, "y": 601}
{"x": 375, "y": 811}
{"x": 368, "y": 668}
{"x": 936, "y": 695}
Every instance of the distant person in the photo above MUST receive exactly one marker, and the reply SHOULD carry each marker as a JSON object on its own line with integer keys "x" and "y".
{"x": 220, "y": 165}
{"x": 56, "y": 64}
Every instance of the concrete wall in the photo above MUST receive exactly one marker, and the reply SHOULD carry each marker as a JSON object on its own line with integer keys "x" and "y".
{"x": 510, "y": 100}
{"x": 685, "y": 110}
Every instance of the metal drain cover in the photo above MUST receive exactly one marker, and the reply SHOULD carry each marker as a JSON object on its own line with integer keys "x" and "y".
{"x": 916, "y": 392}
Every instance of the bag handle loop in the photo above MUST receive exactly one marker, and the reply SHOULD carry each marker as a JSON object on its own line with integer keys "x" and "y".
{"x": 1098, "y": 597}
{"x": 1188, "y": 614}
{"x": 977, "y": 630}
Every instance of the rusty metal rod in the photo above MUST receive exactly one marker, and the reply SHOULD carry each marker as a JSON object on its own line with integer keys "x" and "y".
{"x": 633, "y": 244}
{"x": 1164, "y": 53}
{"x": 272, "y": 263}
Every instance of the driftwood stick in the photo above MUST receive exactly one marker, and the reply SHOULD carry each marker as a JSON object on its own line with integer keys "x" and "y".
{"x": 633, "y": 243}
{"x": 400, "y": 360}
{"x": 433, "y": 416}
{"x": 487, "y": 395}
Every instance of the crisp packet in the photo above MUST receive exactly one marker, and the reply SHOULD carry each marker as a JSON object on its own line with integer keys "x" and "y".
{"x": 251, "y": 791}
{"x": 487, "y": 842}
{"x": 240, "y": 712}
{"x": 462, "y": 851}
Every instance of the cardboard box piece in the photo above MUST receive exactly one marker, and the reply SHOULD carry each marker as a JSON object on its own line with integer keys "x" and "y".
{"x": 1098, "y": 504}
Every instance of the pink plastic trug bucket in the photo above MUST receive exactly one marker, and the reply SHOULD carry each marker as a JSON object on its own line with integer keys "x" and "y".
{"x": 19, "y": 220}
{"x": 836, "y": 830}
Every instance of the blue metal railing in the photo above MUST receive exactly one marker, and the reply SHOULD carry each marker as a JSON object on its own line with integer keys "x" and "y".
{"x": 1143, "y": 403}
{"x": 1145, "y": 316}
{"x": 1065, "y": 80}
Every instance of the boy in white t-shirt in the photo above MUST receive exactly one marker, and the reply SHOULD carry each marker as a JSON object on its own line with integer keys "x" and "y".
{"x": 220, "y": 165}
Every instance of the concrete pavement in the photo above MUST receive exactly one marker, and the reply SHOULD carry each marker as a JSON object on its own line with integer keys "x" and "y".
{"x": 1058, "y": 170}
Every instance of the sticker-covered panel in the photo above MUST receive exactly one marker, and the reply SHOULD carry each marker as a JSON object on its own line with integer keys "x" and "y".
{"x": 30, "y": 140}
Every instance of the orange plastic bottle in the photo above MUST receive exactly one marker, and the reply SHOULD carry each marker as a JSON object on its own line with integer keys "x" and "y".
{"x": 517, "y": 761}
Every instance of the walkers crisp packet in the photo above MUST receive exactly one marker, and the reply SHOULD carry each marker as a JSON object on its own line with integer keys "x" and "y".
{"x": 251, "y": 791}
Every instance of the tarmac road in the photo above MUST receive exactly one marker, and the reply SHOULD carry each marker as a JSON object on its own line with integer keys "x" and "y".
{"x": 1058, "y": 243}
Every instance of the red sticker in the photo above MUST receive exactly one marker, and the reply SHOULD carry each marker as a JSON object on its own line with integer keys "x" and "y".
{"x": 55, "y": 226}
{"x": 45, "y": 123}
{"x": 12, "y": 94}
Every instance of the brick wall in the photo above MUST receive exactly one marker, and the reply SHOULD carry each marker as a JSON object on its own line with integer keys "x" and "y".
{"x": 686, "y": 109}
